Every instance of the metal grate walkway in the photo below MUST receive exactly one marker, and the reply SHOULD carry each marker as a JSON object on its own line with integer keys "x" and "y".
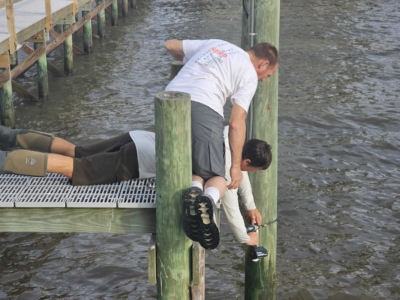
{"x": 55, "y": 191}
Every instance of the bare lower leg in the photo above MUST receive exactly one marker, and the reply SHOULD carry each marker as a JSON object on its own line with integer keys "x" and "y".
{"x": 62, "y": 147}
{"x": 218, "y": 182}
{"x": 198, "y": 179}
{"x": 60, "y": 164}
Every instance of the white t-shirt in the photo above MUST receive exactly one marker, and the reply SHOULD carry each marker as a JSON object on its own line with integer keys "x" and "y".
{"x": 214, "y": 72}
{"x": 146, "y": 151}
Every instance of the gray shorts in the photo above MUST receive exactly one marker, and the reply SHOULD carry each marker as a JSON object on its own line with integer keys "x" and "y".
{"x": 208, "y": 149}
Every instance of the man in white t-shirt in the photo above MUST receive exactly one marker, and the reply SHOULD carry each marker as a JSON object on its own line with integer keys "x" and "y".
{"x": 214, "y": 72}
{"x": 125, "y": 157}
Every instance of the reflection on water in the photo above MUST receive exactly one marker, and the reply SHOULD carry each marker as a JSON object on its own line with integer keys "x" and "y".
{"x": 338, "y": 202}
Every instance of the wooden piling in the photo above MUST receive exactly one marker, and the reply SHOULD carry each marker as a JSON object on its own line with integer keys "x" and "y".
{"x": 6, "y": 103}
{"x": 132, "y": 3}
{"x": 176, "y": 66}
{"x": 173, "y": 173}
{"x": 58, "y": 28}
{"x": 101, "y": 23}
{"x": 114, "y": 13}
{"x": 124, "y": 8}
{"x": 13, "y": 60}
{"x": 260, "y": 277}
{"x": 68, "y": 53}
{"x": 43, "y": 79}
{"x": 87, "y": 34}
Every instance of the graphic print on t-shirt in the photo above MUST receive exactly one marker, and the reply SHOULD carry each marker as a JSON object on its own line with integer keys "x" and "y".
{"x": 214, "y": 56}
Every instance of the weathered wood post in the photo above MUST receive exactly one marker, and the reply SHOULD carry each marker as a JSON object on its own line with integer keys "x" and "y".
{"x": 173, "y": 173}
{"x": 6, "y": 101}
{"x": 57, "y": 28}
{"x": 176, "y": 66}
{"x": 41, "y": 65}
{"x": 68, "y": 53}
{"x": 114, "y": 13}
{"x": 87, "y": 33}
{"x": 13, "y": 60}
{"x": 101, "y": 23}
{"x": 260, "y": 277}
{"x": 124, "y": 8}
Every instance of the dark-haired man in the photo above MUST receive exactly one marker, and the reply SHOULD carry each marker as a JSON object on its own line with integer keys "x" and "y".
{"x": 214, "y": 72}
{"x": 128, "y": 156}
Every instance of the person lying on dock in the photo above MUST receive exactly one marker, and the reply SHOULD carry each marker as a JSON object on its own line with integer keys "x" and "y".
{"x": 215, "y": 71}
{"x": 125, "y": 157}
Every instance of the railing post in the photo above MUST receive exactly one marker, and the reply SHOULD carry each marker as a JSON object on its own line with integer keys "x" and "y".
{"x": 11, "y": 26}
{"x": 173, "y": 173}
{"x": 48, "y": 15}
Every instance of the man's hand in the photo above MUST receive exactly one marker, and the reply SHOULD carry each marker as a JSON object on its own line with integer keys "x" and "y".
{"x": 253, "y": 239}
{"x": 254, "y": 216}
{"x": 236, "y": 178}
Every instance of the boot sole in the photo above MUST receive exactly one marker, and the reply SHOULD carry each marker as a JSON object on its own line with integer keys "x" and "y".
{"x": 208, "y": 232}
{"x": 191, "y": 219}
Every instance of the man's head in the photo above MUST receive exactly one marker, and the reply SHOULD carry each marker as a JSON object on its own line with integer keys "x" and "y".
{"x": 265, "y": 59}
{"x": 256, "y": 156}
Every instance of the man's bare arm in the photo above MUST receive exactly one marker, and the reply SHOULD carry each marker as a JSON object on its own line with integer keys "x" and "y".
{"x": 237, "y": 134}
{"x": 175, "y": 48}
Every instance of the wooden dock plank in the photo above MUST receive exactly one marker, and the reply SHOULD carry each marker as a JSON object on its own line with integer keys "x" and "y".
{"x": 117, "y": 220}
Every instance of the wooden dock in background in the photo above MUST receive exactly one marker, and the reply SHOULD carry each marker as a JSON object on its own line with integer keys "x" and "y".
{"x": 24, "y": 22}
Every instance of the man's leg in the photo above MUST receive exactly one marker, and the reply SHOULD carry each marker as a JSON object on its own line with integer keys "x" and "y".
{"x": 62, "y": 147}
{"x": 105, "y": 168}
{"x": 97, "y": 169}
{"x": 60, "y": 164}
{"x": 110, "y": 145}
{"x": 208, "y": 165}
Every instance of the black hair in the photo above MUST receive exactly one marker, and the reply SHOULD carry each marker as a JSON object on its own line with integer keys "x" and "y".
{"x": 266, "y": 51}
{"x": 259, "y": 153}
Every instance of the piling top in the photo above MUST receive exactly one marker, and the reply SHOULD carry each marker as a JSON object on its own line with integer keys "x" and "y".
{"x": 172, "y": 95}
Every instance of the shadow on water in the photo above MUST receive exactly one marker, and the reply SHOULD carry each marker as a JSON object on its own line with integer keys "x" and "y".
{"x": 338, "y": 202}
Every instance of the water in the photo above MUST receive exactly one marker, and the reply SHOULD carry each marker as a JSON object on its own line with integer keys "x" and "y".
{"x": 338, "y": 201}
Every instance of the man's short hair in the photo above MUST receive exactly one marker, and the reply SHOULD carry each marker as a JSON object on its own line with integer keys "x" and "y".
{"x": 266, "y": 51}
{"x": 259, "y": 153}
